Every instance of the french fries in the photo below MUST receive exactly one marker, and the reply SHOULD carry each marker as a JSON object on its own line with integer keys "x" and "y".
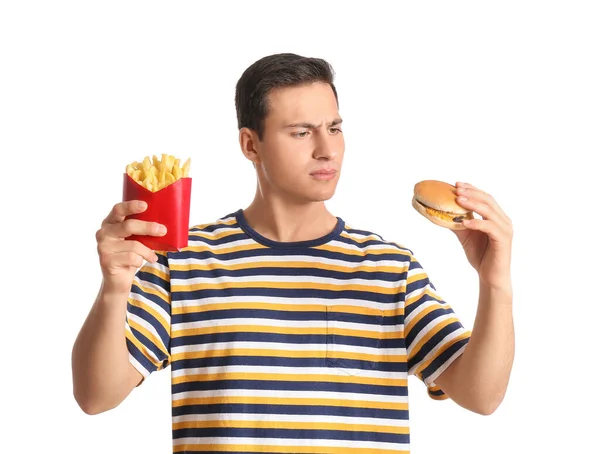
{"x": 155, "y": 174}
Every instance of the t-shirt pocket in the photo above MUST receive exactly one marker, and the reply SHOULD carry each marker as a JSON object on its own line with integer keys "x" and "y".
{"x": 354, "y": 337}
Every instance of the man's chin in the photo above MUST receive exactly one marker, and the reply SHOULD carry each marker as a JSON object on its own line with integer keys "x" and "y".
{"x": 321, "y": 197}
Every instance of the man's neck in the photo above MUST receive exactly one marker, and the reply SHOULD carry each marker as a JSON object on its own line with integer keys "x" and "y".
{"x": 282, "y": 221}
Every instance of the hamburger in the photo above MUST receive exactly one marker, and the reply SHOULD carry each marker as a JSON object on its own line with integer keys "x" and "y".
{"x": 436, "y": 200}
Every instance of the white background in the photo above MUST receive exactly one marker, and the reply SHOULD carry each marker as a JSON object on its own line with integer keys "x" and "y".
{"x": 504, "y": 95}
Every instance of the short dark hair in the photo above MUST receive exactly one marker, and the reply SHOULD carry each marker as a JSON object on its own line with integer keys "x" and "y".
{"x": 270, "y": 72}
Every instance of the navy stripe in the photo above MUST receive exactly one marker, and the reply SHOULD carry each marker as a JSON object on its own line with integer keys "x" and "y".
{"x": 431, "y": 343}
{"x": 362, "y": 412}
{"x": 145, "y": 362}
{"x": 437, "y": 393}
{"x": 282, "y": 252}
{"x": 276, "y": 361}
{"x": 163, "y": 259}
{"x": 292, "y": 385}
{"x": 249, "y": 336}
{"x": 152, "y": 297}
{"x": 298, "y": 434}
{"x": 288, "y": 293}
{"x": 149, "y": 344}
{"x": 215, "y": 226}
{"x": 317, "y": 316}
{"x": 426, "y": 320}
{"x": 442, "y": 358}
{"x": 281, "y": 271}
{"x": 141, "y": 313}
{"x": 230, "y": 238}
{"x": 153, "y": 278}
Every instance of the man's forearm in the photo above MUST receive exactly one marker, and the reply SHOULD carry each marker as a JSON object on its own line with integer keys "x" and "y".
{"x": 478, "y": 379}
{"x": 100, "y": 359}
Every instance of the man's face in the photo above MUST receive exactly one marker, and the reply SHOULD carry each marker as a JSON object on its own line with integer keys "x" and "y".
{"x": 303, "y": 145}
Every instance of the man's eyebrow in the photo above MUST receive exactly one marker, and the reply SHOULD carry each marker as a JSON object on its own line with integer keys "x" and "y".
{"x": 335, "y": 122}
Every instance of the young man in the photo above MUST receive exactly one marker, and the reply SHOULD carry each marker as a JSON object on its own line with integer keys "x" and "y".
{"x": 286, "y": 329}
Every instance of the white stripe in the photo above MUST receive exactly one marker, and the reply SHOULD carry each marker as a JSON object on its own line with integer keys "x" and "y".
{"x": 317, "y": 419}
{"x": 427, "y": 328}
{"x": 424, "y": 306}
{"x": 135, "y": 363}
{"x": 435, "y": 350}
{"x": 306, "y": 279}
{"x": 231, "y": 244}
{"x": 145, "y": 303}
{"x": 291, "y": 301}
{"x": 361, "y": 236}
{"x": 316, "y": 324}
{"x": 257, "y": 442}
{"x": 430, "y": 381}
{"x": 149, "y": 285}
{"x": 150, "y": 328}
{"x": 226, "y": 228}
{"x": 372, "y": 247}
{"x": 310, "y": 397}
{"x": 277, "y": 347}
{"x": 276, "y": 370}
{"x": 293, "y": 258}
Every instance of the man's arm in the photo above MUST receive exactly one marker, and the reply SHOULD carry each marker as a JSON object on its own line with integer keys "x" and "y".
{"x": 102, "y": 373}
{"x": 103, "y": 376}
{"x": 477, "y": 380}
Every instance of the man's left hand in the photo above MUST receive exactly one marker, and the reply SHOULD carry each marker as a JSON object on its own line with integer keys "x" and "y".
{"x": 488, "y": 241}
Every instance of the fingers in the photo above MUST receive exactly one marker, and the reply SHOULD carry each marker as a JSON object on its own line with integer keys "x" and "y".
{"x": 137, "y": 248}
{"x": 492, "y": 229}
{"x": 115, "y": 254}
{"x": 123, "y": 209}
{"x": 117, "y": 260}
{"x": 481, "y": 202}
{"x": 132, "y": 227}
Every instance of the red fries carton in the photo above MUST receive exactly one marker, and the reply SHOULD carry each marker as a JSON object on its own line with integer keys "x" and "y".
{"x": 170, "y": 206}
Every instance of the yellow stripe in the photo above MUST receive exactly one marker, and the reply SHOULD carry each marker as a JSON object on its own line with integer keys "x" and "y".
{"x": 142, "y": 348}
{"x": 290, "y": 265}
{"x": 417, "y": 318}
{"x": 396, "y": 311}
{"x": 432, "y": 332}
{"x": 360, "y": 251}
{"x": 155, "y": 341}
{"x": 355, "y": 379}
{"x": 155, "y": 271}
{"x": 283, "y": 330}
{"x": 219, "y": 222}
{"x": 282, "y": 449}
{"x": 146, "y": 307}
{"x": 218, "y": 236}
{"x": 424, "y": 366}
{"x": 150, "y": 291}
{"x": 415, "y": 278}
{"x": 361, "y": 240}
{"x": 415, "y": 298}
{"x": 203, "y": 248}
{"x": 283, "y": 354}
{"x": 292, "y": 425}
{"x": 285, "y": 285}
{"x": 300, "y": 401}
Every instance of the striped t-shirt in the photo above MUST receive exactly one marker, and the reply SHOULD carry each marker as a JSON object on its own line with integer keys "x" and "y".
{"x": 301, "y": 347}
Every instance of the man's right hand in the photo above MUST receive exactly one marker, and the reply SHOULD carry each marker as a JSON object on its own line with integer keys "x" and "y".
{"x": 120, "y": 258}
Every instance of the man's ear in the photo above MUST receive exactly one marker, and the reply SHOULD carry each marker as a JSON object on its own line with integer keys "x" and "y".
{"x": 248, "y": 144}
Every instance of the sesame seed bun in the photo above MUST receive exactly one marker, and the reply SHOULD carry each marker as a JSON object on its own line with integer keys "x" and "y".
{"x": 436, "y": 200}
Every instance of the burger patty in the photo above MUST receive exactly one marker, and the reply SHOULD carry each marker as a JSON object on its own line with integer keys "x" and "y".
{"x": 455, "y": 217}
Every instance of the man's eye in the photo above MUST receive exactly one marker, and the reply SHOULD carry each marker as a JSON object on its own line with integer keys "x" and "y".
{"x": 300, "y": 134}
{"x": 335, "y": 130}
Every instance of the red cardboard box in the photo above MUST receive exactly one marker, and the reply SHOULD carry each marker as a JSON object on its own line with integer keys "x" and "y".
{"x": 170, "y": 207}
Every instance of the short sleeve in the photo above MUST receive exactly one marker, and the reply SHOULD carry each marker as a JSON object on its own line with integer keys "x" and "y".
{"x": 434, "y": 335}
{"x": 148, "y": 317}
